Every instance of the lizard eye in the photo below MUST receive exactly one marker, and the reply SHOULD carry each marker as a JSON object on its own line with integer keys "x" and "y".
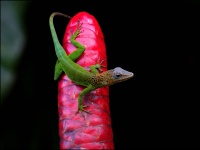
{"x": 117, "y": 75}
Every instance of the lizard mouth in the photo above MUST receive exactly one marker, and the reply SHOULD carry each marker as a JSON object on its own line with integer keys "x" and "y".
{"x": 126, "y": 76}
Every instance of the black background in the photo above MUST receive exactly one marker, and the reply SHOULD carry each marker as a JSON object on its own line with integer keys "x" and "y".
{"x": 158, "y": 108}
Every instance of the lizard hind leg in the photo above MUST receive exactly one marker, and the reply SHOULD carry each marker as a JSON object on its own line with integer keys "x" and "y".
{"x": 73, "y": 56}
{"x": 75, "y": 35}
{"x": 58, "y": 70}
{"x": 76, "y": 54}
{"x": 80, "y": 48}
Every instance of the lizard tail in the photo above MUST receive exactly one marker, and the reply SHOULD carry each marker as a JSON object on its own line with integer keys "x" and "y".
{"x": 59, "y": 14}
{"x": 53, "y": 32}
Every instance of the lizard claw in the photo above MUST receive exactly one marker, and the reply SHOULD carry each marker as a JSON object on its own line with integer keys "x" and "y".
{"x": 78, "y": 29}
{"x": 100, "y": 65}
{"x": 84, "y": 110}
{"x": 81, "y": 109}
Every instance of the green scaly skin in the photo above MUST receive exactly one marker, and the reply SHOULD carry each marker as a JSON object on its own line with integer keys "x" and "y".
{"x": 91, "y": 80}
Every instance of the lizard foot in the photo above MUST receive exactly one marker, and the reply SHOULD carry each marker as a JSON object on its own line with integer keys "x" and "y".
{"x": 99, "y": 65}
{"x": 81, "y": 109}
{"x": 78, "y": 29}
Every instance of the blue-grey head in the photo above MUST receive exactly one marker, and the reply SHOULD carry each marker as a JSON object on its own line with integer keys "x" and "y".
{"x": 112, "y": 76}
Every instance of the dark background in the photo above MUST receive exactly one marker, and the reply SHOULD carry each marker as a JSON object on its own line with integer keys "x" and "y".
{"x": 158, "y": 108}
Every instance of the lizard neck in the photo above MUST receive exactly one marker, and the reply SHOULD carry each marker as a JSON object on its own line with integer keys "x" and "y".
{"x": 102, "y": 79}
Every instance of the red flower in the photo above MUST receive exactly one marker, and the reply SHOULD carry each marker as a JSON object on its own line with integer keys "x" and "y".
{"x": 94, "y": 131}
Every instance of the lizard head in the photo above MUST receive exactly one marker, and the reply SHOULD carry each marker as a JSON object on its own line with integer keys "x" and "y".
{"x": 120, "y": 74}
{"x": 112, "y": 76}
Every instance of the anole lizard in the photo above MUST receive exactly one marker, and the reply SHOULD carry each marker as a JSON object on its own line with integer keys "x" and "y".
{"x": 91, "y": 80}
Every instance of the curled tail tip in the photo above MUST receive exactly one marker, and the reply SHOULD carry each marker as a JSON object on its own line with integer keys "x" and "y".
{"x": 59, "y": 14}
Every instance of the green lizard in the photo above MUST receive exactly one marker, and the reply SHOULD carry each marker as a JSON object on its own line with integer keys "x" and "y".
{"x": 91, "y": 80}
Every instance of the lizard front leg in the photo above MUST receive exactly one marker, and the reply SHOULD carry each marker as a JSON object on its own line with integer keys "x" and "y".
{"x": 80, "y": 98}
{"x": 94, "y": 68}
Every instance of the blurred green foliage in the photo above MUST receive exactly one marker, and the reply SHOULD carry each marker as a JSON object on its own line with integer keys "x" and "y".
{"x": 26, "y": 123}
{"x": 13, "y": 38}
